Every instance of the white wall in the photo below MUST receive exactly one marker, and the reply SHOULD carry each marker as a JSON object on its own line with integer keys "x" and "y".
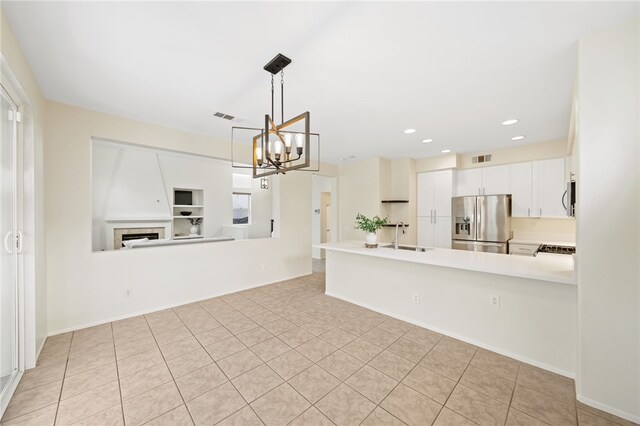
{"x": 608, "y": 220}
{"x": 536, "y": 321}
{"x": 86, "y": 288}
{"x": 31, "y": 131}
{"x": 359, "y": 188}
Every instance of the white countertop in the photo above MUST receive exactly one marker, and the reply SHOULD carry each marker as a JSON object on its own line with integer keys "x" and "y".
{"x": 557, "y": 268}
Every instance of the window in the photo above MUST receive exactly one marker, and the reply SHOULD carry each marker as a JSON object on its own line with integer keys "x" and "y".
{"x": 241, "y": 207}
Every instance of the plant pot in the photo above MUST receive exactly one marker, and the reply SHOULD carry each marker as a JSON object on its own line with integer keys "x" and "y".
{"x": 194, "y": 230}
{"x": 371, "y": 238}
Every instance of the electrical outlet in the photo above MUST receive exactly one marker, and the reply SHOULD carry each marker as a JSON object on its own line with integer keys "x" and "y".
{"x": 128, "y": 292}
{"x": 494, "y": 301}
{"x": 416, "y": 297}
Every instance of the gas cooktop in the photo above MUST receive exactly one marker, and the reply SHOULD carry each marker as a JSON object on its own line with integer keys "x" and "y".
{"x": 556, "y": 249}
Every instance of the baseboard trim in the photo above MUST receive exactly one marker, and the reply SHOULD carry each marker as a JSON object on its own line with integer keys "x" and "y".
{"x": 160, "y": 308}
{"x": 608, "y": 409}
{"x": 482, "y": 345}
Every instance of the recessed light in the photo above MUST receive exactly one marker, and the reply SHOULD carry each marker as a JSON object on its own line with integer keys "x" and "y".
{"x": 445, "y": 151}
{"x": 517, "y": 138}
{"x": 409, "y": 131}
{"x": 509, "y": 122}
{"x": 427, "y": 140}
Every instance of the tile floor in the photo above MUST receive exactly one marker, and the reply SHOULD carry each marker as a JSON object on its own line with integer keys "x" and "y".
{"x": 284, "y": 354}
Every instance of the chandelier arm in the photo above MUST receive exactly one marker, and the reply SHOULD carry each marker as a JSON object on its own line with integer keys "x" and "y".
{"x": 277, "y": 166}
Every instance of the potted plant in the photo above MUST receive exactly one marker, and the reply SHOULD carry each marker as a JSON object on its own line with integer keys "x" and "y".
{"x": 195, "y": 230}
{"x": 370, "y": 226}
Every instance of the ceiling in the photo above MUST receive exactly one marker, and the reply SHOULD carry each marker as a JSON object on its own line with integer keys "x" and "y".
{"x": 365, "y": 70}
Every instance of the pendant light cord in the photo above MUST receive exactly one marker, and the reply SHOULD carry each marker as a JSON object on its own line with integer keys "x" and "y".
{"x": 272, "y": 96}
{"x": 282, "y": 96}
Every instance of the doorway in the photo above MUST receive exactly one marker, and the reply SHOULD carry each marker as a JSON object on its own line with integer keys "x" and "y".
{"x": 324, "y": 212}
{"x": 11, "y": 356}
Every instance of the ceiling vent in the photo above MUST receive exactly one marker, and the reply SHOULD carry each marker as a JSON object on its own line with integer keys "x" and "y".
{"x": 223, "y": 115}
{"x": 481, "y": 158}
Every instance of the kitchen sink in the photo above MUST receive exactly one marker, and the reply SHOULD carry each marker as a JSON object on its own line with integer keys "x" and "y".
{"x": 408, "y": 248}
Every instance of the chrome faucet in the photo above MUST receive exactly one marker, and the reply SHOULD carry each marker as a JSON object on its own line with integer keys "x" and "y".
{"x": 395, "y": 242}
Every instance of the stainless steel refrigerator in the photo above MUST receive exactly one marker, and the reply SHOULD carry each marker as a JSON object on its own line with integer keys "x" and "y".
{"x": 481, "y": 223}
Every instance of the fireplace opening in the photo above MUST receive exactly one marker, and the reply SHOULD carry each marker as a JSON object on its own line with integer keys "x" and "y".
{"x": 149, "y": 236}
{"x": 120, "y": 235}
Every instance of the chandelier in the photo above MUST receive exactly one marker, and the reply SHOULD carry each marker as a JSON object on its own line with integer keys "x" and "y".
{"x": 279, "y": 148}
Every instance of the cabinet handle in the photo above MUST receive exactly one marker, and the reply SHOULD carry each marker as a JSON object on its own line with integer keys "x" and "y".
{"x": 483, "y": 191}
{"x": 479, "y": 191}
{"x": 540, "y": 211}
{"x": 20, "y": 243}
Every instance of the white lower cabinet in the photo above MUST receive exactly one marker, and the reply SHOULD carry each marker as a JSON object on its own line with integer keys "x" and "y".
{"x": 523, "y": 249}
{"x": 434, "y": 231}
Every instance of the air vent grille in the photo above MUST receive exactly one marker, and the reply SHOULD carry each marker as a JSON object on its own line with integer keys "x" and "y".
{"x": 481, "y": 158}
{"x": 223, "y": 115}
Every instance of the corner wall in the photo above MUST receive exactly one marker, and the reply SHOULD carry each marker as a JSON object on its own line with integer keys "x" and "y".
{"x": 86, "y": 288}
{"x": 608, "y": 221}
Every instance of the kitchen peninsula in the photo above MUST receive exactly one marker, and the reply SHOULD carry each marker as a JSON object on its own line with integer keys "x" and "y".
{"x": 522, "y": 307}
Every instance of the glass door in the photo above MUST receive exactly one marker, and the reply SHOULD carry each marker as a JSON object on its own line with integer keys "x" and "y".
{"x": 9, "y": 365}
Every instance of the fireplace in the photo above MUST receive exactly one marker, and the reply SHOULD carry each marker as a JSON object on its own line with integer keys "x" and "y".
{"x": 126, "y": 234}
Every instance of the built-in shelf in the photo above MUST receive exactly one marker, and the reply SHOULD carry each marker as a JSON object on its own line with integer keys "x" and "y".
{"x": 394, "y": 201}
{"x": 191, "y": 200}
{"x": 393, "y": 225}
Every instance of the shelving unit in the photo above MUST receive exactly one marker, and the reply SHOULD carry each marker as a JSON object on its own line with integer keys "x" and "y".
{"x": 190, "y": 200}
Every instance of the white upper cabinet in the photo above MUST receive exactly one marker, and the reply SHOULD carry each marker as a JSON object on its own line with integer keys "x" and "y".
{"x": 435, "y": 190}
{"x": 521, "y": 189}
{"x": 537, "y": 188}
{"x": 468, "y": 182}
{"x": 548, "y": 188}
{"x": 483, "y": 181}
{"x": 495, "y": 180}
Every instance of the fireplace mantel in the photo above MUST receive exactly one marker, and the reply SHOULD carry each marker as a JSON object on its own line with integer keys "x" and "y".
{"x": 136, "y": 219}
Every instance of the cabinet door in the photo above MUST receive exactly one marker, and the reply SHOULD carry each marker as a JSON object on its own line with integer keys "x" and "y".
{"x": 425, "y": 232}
{"x": 468, "y": 182}
{"x": 424, "y": 191}
{"x": 549, "y": 186}
{"x": 442, "y": 192}
{"x": 495, "y": 180}
{"x": 442, "y": 232}
{"x": 521, "y": 189}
